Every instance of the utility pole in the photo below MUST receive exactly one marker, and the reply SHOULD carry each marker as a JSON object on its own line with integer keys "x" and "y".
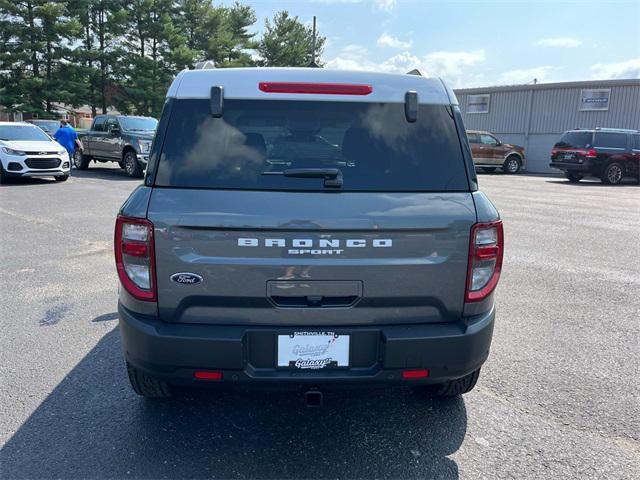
{"x": 313, "y": 63}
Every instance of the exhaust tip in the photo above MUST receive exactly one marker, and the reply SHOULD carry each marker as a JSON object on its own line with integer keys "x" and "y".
{"x": 313, "y": 399}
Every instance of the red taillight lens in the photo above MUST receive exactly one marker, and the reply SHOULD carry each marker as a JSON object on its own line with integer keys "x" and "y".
{"x": 135, "y": 258}
{"x": 591, "y": 153}
{"x": 486, "y": 249}
{"x": 317, "y": 88}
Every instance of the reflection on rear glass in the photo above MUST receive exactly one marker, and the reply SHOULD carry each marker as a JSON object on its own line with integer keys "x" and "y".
{"x": 372, "y": 144}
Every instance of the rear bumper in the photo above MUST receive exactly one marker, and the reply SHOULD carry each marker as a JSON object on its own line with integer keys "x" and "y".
{"x": 569, "y": 166}
{"x": 244, "y": 354}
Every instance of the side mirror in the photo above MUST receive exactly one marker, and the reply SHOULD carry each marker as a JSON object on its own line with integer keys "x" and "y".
{"x": 114, "y": 131}
{"x": 498, "y": 143}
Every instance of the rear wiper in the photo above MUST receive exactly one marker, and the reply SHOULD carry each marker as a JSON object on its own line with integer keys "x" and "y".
{"x": 332, "y": 176}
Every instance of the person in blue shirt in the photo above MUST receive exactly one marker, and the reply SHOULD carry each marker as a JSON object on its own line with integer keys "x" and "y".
{"x": 68, "y": 138}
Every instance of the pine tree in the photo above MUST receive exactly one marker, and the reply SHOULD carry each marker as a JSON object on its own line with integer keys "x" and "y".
{"x": 36, "y": 41}
{"x": 288, "y": 43}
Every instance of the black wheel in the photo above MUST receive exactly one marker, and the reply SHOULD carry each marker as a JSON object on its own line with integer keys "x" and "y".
{"x": 489, "y": 169}
{"x": 512, "y": 164}
{"x": 451, "y": 388}
{"x": 61, "y": 178}
{"x": 573, "y": 176}
{"x": 613, "y": 174}
{"x": 80, "y": 160}
{"x": 147, "y": 386}
{"x": 131, "y": 165}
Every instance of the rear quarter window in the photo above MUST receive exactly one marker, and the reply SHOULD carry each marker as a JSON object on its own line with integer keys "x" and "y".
{"x": 610, "y": 140}
{"x": 256, "y": 141}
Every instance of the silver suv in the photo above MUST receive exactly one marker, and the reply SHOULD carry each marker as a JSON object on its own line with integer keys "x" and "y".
{"x": 308, "y": 227}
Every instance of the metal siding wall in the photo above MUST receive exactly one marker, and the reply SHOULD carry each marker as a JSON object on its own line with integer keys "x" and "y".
{"x": 553, "y": 112}
{"x": 507, "y": 113}
{"x": 557, "y": 110}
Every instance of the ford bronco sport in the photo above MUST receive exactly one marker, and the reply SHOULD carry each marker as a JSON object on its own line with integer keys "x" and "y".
{"x": 307, "y": 227}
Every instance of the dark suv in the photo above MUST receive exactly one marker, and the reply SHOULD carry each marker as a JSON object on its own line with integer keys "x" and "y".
{"x": 308, "y": 226}
{"x": 606, "y": 153}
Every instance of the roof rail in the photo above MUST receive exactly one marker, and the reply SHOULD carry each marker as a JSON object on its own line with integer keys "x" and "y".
{"x": 621, "y": 130}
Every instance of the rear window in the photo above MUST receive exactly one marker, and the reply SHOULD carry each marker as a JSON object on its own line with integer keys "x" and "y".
{"x": 610, "y": 140}
{"x": 257, "y": 141}
{"x": 575, "y": 140}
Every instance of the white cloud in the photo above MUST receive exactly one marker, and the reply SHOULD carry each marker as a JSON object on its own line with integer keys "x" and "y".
{"x": 525, "y": 75}
{"x": 628, "y": 69}
{"x": 386, "y": 40}
{"x": 560, "y": 42}
{"x": 385, "y": 5}
{"x": 453, "y": 66}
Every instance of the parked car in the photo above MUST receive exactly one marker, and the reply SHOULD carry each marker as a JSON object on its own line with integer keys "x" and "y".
{"x": 117, "y": 138}
{"x": 365, "y": 254}
{"x": 490, "y": 153}
{"x": 50, "y": 127}
{"x": 26, "y": 151}
{"x": 607, "y": 153}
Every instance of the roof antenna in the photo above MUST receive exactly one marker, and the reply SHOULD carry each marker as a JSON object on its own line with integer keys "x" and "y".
{"x": 313, "y": 63}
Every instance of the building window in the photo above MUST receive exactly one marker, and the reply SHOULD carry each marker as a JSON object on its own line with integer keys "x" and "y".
{"x": 478, "y": 103}
{"x": 594, "y": 99}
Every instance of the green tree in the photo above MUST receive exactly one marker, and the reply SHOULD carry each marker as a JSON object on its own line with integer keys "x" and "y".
{"x": 288, "y": 43}
{"x": 228, "y": 41}
{"x": 36, "y": 41}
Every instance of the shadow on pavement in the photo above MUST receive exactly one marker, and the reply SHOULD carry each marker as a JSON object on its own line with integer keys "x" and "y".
{"x": 594, "y": 183}
{"x": 110, "y": 172}
{"x": 92, "y": 425}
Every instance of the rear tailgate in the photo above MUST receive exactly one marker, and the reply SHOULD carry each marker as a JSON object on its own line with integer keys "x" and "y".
{"x": 294, "y": 258}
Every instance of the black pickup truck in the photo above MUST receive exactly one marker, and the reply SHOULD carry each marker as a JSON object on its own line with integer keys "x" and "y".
{"x": 117, "y": 138}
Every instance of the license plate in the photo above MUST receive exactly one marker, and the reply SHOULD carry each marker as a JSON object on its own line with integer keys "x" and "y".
{"x": 313, "y": 350}
{"x": 568, "y": 156}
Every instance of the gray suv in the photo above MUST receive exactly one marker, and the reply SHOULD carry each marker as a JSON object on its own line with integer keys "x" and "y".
{"x": 308, "y": 227}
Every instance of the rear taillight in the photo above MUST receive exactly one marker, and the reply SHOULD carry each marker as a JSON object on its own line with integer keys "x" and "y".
{"x": 591, "y": 153}
{"x": 486, "y": 248}
{"x": 135, "y": 258}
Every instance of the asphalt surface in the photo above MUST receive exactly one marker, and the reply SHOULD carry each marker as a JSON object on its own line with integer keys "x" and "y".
{"x": 558, "y": 397}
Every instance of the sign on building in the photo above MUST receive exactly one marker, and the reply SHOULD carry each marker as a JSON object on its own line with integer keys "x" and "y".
{"x": 478, "y": 103}
{"x": 594, "y": 99}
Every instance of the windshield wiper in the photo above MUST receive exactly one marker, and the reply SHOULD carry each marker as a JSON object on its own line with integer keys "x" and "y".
{"x": 332, "y": 176}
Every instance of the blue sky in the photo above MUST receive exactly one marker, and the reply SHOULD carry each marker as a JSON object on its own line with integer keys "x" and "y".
{"x": 475, "y": 43}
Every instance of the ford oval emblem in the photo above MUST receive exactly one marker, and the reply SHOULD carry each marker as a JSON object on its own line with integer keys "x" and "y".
{"x": 186, "y": 278}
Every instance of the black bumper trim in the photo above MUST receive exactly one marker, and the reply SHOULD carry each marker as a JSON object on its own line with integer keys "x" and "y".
{"x": 174, "y": 351}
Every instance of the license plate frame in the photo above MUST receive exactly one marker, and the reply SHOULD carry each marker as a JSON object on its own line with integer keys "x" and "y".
{"x": 309, "y": 350}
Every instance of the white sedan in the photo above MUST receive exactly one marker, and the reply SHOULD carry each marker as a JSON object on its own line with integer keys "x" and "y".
{"x": 26, "y": 151}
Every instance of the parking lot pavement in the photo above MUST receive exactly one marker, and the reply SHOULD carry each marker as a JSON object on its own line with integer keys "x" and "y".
{"x": 558, "y": 398}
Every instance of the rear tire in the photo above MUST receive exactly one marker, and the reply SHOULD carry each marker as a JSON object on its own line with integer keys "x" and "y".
{"x": 452, "y": 388}
{"x": 613, "y": 174}
{"x": 512, "y": 165}
{"x": 146, "y": 385}
{"x": 61, "y": 178}
{"x": 80, "y": 160}
{"x": 574, "y": 177}
{"x": 131, "y": 165}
